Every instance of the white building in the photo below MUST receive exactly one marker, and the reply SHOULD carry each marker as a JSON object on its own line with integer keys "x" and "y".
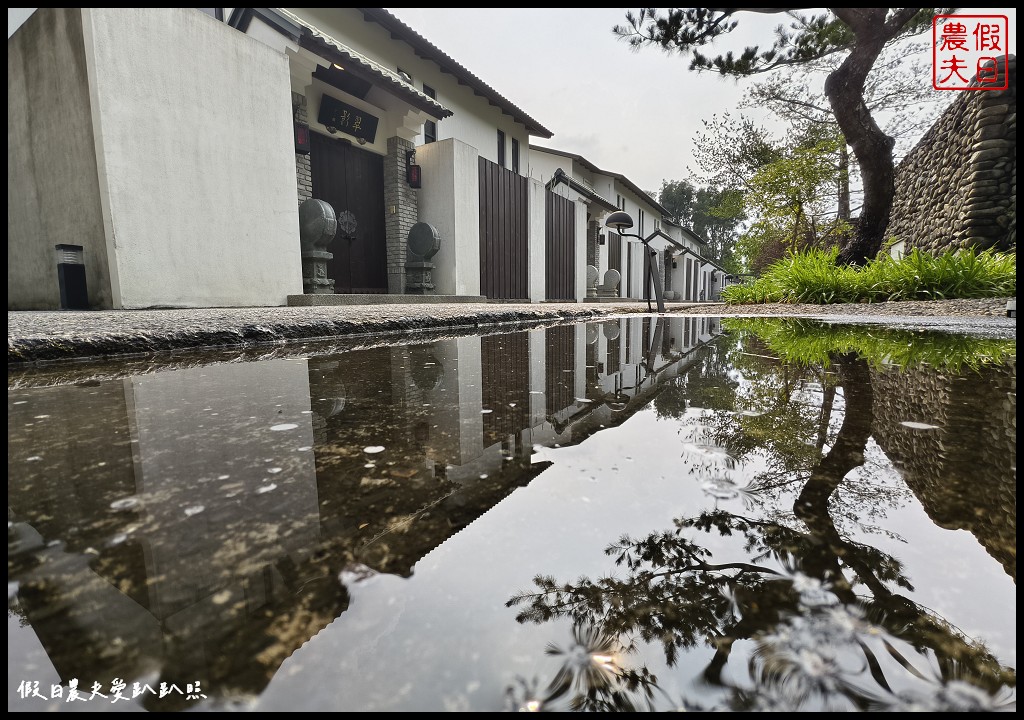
{"x": 681, "y": 256}
{"x": 172, "y": 148}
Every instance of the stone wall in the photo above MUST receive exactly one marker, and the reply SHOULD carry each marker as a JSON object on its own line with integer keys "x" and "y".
{"x": 958, "y": 187}
{"x": 963, "y": 472}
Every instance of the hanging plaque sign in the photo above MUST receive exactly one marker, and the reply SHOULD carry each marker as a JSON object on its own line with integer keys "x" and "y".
{"x": 347, "y": 119}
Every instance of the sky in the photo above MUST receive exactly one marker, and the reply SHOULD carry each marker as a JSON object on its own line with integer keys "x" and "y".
{"x": 635, "y": 113}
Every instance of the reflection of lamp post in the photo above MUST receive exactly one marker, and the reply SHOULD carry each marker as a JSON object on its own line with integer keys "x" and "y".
{"x": 619, "y": 221}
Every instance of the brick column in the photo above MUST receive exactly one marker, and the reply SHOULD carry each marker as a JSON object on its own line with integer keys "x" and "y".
{"x": 401, "y": 211}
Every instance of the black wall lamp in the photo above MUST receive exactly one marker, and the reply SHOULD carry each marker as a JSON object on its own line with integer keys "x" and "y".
{"x": 301, "y": 138}
{"x": 413, "y": 172}
{"x": 621, "y": 221}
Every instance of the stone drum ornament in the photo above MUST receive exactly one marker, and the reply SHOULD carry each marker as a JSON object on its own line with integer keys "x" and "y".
{"x": 317, "y": 227}
{"x": 423, "y": 243}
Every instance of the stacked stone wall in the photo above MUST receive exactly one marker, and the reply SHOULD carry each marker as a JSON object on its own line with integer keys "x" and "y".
{"x": 958, "y": 187}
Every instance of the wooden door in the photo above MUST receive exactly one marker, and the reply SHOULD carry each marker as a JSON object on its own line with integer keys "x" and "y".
{"x": 352, "y": 179}
{"x": 560, "y": 247}
{"x": 504, "y": 248}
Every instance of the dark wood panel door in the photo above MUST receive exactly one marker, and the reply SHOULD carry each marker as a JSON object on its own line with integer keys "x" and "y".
{"x": 560, "y": 367}
{"x": 505, "y": 386}
{"x": 614, "y": 253}
{"x": 352, "y": 179}
{"x": 560, "y": 247}
{"x": 504, "y": 248}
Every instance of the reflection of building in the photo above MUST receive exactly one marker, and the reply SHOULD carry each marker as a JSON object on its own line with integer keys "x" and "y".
{"x": 193, "y": 524}
{"x": 963, "y": 471}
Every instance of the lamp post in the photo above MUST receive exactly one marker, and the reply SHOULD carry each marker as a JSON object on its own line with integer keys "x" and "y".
{"x": 620, "y": 221}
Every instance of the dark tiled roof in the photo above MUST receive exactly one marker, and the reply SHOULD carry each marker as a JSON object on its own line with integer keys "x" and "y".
{"x": 325, "y": 45}
{"x": 589, "y": 193}
{"x": 618, "y": 176}
{"x": 427, "y": 50}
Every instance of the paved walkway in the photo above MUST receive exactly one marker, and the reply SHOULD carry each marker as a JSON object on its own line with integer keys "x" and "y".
{"x": 39, "y": 336}
{"x": 49, "y": 336}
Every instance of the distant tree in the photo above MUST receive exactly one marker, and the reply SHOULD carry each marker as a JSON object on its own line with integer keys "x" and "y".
{"x": 714, "y": 214}
{"x": 861, "y": 33}
{"x": 786, "y": 189}
{"x": 731, "y": 149}
{"x": 791, "y": 199}
{"x": 896, "y": 91}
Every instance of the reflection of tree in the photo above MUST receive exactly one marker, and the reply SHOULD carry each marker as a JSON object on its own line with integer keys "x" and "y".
{"x": 706, "y": 382}
{"x": 830, "y": 629}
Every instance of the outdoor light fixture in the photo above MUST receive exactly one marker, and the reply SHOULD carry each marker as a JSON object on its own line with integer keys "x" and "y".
{"x": 620, "y": 221}
{"x": 413, "y": 172}
{"x": 71, "y": 277}
{"x": 302, "y": 138}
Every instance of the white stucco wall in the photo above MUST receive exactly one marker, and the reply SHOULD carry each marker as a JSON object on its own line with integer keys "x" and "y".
{"x": 196, "y": 159}
{"x": 679, "y": 275}
{"x": 538, "y": 402}
{"x": 190, "y": 427}
{"x": 456, "y": 402}
{"x": 52, "y": 187}
{"x": 581, "y": 251}
{"x": 537, "y": 262}
{"x": 450, "y": 201}
{"x": 543, "y": 165}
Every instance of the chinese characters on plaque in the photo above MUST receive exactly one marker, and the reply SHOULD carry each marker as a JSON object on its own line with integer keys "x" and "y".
{"x": 347, "y": 119}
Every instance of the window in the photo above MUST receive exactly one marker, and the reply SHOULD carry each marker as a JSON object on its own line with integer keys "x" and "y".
{"x": 515, "y": 155}
{"x": 216, "y": 13}
{"x": 641, "y": 222}
{"x": 404, "y": 75}
{"x": 501, "y": 148}
{"x": 620, "y": 202}
{"x": 429, "y": 127}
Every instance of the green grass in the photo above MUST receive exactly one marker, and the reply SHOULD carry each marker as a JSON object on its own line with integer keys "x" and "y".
{"x": 814, "y": 277}
{"x": 812, "y": 343}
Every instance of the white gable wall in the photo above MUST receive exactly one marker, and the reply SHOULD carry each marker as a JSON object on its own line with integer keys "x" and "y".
{"x": 53, "y": 192}
{"x": 196, "y": 164}
{"x": 644, "y": 216}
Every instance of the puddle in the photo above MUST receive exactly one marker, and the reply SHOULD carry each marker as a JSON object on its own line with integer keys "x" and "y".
{"x": 641, "y": 514}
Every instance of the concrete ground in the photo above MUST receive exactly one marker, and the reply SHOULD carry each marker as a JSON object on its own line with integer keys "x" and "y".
{"x": 66, "y": 335}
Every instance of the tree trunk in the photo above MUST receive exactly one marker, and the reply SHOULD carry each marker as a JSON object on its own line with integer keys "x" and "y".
{"x": 844, "y": 182}
{"x": 844, "y": 88}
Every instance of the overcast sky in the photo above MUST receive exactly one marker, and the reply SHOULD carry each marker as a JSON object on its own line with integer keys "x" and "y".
{"x": 636, "y": 113}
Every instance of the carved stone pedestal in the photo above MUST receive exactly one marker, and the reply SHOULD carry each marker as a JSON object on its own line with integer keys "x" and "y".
{"x": 317, "y": 227}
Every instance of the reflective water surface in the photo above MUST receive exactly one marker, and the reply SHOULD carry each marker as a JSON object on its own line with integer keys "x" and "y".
{"x": 638, "y": 513}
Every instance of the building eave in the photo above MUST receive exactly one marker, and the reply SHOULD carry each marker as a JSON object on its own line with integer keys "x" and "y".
{"x": 428, "y": 51}
{"x": 618, "y": 176}
{"x": 324, "y": 45}
{"x": 561, "y": 176}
